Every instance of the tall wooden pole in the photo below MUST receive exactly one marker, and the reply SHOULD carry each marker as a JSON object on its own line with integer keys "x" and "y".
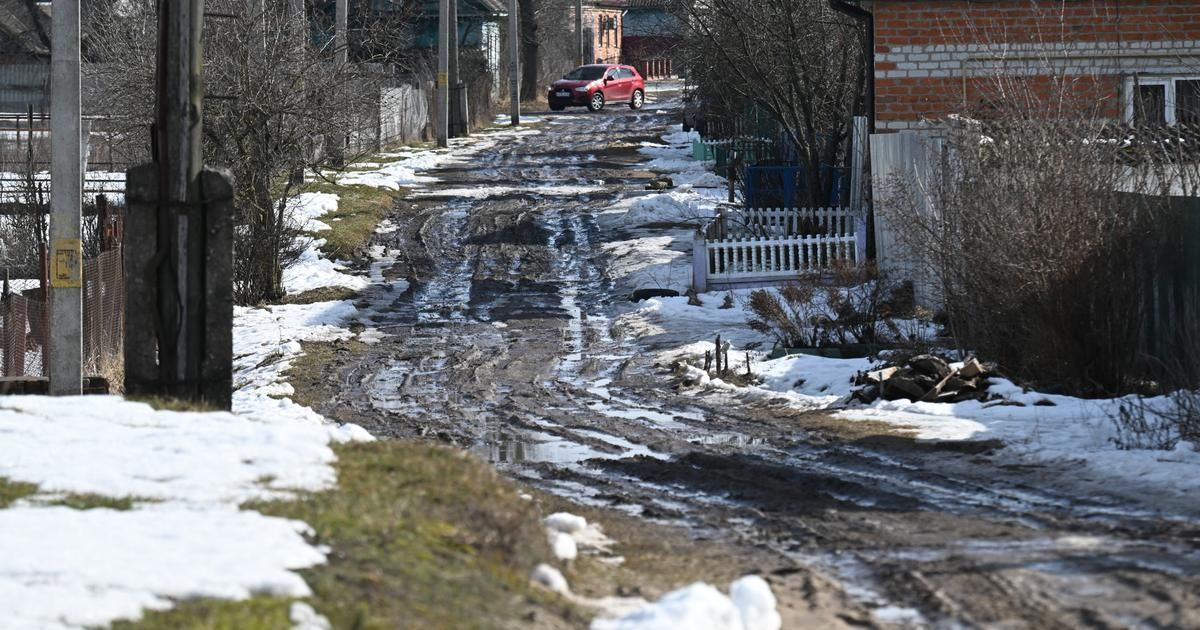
{"x": 181, "y": 230}
{"x": 579, "y": 33}
{"x": 443, "y": 75}
{"x": 66, "y": 198}
{"x": 514, "y": 66}
{"x": 457, "y": 120}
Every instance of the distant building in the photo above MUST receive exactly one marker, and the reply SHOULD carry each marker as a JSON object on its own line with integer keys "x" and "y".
{"x": 652, "y": 34}
{"x": 1136, "y": 61}
{"x": 603, "y": 30}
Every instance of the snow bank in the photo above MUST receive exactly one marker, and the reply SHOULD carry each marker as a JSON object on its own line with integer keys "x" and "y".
{"x": 66, "y": 568}
{"x": 703, "y": 607}
{"x": 402, "y": 171}
{"x": 108, "y": 446}
{"x": 651, "y": 261}
{"x": 306, "y": 208}
{"x": 313, "y": 271}
{"x": 682, "y": 205}
{"x": 1034, "y": 427}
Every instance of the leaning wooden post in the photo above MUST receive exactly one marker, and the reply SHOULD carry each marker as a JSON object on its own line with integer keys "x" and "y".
{"x": 718, "y": 353}
{"x": 699, "y": 262}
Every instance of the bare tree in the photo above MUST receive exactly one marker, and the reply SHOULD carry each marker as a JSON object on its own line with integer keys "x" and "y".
{"x": 1040, "y": 222}
{"x": 272, "y": 95}
{"x": 798, "y": 60}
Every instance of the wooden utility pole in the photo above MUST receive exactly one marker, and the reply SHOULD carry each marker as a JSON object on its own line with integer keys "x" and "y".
{"x": 458, "y": 96}
{"x": 179, "y": 308}
{"x": 514, "y": 67}
{"x": 66, "y": 200}
{"x": 579, "y": 33}
{"x": 443, "y": 74}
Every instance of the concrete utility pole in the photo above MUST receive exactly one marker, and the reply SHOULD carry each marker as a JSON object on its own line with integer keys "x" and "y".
{"x": 579, "y": 33}
{"x": 66, "y": 200}
{"x": 514, "y": 67}
{"x": 443, "y": 75}
{"x": 341, "y": 42}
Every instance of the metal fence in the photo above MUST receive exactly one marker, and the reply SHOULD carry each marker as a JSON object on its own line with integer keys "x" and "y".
{"x": 25, "y": 326}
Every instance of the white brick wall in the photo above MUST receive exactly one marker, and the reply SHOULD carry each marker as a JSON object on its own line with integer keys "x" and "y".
{"x": 1075, "y": 58}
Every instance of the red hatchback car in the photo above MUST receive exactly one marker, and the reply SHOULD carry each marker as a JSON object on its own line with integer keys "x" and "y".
{"x": 594, "y": 85}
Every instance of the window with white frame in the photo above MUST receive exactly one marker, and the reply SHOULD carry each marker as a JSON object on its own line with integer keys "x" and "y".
{"x": 1163, "y": 100}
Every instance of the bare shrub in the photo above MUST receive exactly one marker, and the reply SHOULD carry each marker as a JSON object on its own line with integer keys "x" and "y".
{"x": 797, "y": 61}
{"x": 849, "y": 305}
{"x": 1039, "y": 234}
{"x": 1158, "y": 424}
{"x": 272, "y": 96}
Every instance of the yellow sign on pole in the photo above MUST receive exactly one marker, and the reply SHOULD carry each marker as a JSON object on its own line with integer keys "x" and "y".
{"x": 66, "y": 266}
{"x": 443, "y": 79}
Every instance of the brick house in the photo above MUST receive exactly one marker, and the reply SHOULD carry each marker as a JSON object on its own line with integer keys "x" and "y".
{"x": 1127, "y": 60}
{"x": 603, "y": 29}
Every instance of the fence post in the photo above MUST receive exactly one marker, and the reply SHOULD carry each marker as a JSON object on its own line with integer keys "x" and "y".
{"x": 699, "y": 262}
{"x": 216, "y": 367}
{"x": 141, "y": 279}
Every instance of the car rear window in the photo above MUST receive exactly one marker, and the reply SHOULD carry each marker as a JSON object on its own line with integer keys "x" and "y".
{"x": 586, "y": 73}
{"x": 626, "y": 73}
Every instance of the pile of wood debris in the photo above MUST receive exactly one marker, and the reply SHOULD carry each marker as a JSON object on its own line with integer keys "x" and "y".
{"x": 925, "y": 378}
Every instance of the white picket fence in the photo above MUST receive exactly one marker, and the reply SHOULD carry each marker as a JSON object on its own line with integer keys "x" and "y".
{"x": 755, "y": 247}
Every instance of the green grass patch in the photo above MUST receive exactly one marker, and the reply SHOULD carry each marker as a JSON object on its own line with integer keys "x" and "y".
{"x": 360, "y": 209}
{"x": 323, "y": 294}
{"x": 422, "y": 536}
{"x": 258, "y": 613}
{"x": 88, "y": 501}
{"x": 10, "y": 491}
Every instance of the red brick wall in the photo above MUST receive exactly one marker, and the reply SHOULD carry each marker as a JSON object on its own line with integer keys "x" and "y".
{"x": 607, "y": 46}
{"x": 935, "y": 57}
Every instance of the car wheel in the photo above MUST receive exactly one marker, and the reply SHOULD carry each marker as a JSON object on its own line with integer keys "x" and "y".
{"x": 639, "y": 99}
{"x": 597, "y": 102}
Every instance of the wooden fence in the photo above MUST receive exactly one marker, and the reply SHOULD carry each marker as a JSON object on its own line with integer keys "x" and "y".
{"x": 765, "y": 246}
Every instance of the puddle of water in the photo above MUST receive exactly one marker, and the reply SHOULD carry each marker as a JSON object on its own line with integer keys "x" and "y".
{"x": 530, "y": 446}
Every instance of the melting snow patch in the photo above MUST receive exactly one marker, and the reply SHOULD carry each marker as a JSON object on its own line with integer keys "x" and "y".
{"x": 703, "y": 607}
{"x": 894, "y": 615}
{"x": 305, "y": 618}
{"x": 550, "y": 578}
{"x": 66, "y": 568}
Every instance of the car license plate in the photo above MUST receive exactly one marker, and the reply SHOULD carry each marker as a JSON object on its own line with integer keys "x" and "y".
{"x": 562, "y": 94}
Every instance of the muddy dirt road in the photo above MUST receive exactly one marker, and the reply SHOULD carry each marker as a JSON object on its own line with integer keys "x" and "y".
{"x": 493, "y": 286}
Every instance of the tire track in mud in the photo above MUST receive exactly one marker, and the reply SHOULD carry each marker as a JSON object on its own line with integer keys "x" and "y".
{"x": 504, "y": 342}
